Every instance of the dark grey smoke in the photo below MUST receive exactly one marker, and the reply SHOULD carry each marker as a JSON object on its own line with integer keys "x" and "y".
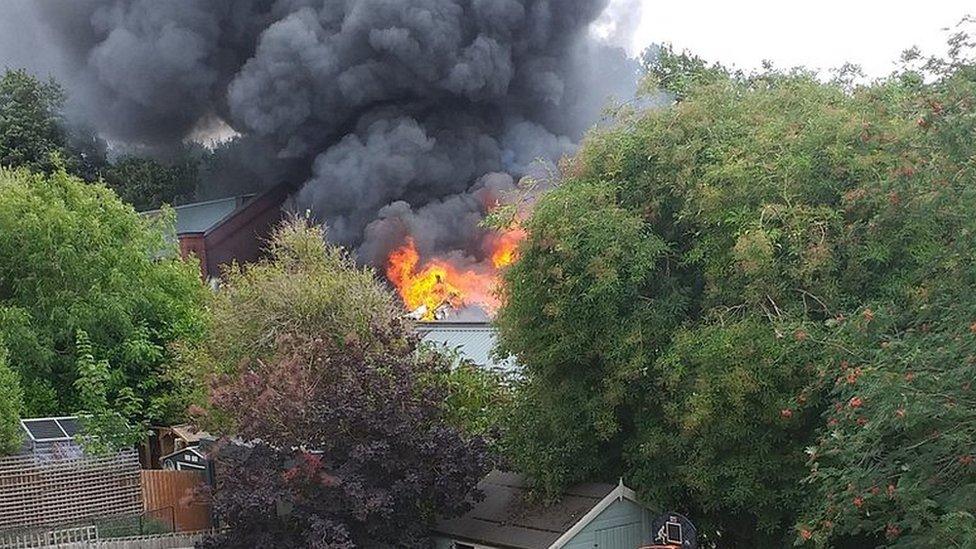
{"x": 401, "y": 116}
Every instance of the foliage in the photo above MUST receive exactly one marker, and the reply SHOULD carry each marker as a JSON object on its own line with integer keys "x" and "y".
{"x": 33, "y": 133}
{"x": 677, "y": 73}
{"x": 348, "y": 440}
{"x": 104, "y": 424}
{"x": 693, "y": 298}
{"x": 304, "y": 288}
{"x": 590, "y": 272}
{"x": 352, "y": 444}
{"x": 476, "y": 397}
{"x": 148, "y": 184}
{"x": 31, "y": 129}
{"x": 894, "y": 461}
{"x": 74, "y": 258}
{"x": 11, "y": 401}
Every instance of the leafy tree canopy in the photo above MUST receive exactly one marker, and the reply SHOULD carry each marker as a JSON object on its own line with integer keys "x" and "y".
{"x": 147, "y": 184}
{"x": 74, "y": 258}
{"x": 11, "y": 401}
{"x": 354, "y": 445}
{"x": 34, "y": 134}
{"x": 757, "y": 305}
{"x": 303, "y": 288}
{"x": 31, "y": 128}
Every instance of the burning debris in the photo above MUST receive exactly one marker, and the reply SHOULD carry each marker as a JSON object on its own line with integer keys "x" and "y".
{"x": 438, "y": 288}
{"x": 402, "y": 117}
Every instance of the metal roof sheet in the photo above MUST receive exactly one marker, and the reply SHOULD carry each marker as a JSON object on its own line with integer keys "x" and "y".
{"x": 198, "y": 217}
{"x": 475, "y": 341}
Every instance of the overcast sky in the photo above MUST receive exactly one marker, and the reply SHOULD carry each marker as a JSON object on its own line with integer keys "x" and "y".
{"x": 819, "y": 34}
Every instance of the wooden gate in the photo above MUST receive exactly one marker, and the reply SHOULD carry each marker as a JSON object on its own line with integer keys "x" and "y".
{"x": 180, "y": 491}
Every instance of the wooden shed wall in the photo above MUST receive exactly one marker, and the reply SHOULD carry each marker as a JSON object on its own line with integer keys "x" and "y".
{"x": 623, "y": 525}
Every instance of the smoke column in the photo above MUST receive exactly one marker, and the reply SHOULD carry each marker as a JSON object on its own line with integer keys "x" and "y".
{"x": 400, "y": 116}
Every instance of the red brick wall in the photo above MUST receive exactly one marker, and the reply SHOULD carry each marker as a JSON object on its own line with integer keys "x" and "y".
{"x": 194, "y": 244}
{"x": 241, "y": 237}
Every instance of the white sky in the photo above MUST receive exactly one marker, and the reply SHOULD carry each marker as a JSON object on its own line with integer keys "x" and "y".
{"x": 819, "y": 34}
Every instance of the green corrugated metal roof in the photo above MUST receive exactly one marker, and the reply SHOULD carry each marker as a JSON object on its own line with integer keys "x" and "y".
{"x": 201, "y": 216}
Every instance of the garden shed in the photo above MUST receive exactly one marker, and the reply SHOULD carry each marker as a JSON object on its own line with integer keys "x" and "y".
{"x": 591, "y": 515}
{"x": 187, "y": 459}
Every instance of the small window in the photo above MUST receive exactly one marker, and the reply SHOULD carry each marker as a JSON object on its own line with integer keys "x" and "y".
{"x": 462, "y": 546}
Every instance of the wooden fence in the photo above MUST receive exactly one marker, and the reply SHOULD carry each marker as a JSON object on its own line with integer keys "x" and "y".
{"x": 88, "y": 538}
{"x": 52, "y": 538}
{"x": 180, "y": 491}
{"x": 40, "y": 492}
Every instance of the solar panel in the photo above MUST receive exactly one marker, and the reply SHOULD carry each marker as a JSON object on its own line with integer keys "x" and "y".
{"x": 44, "y": 429}
{"x": 70, "y": 425}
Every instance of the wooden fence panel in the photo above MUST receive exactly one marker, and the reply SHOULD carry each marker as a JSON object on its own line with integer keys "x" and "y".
{"x": 36, "y": 491}
{"x": 179, "y": 491}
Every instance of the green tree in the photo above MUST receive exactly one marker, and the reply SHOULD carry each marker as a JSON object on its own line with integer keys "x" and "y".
{"x": 304, "y": 288}
{"x": 74, "y": 258}
{"x": 106, "y": 426}
{"x": 31, "y": 124}
{"x": 694, "y": 298}
{"x": 34, "y": 134}
{"x": 894, "y": 461}
{"x": 147, "y": 184}
{"x": 308, "y": 289}
{"x": 477, "y": 397}
{"x": 677, "y": 73}
{"x": 11, "y": 401}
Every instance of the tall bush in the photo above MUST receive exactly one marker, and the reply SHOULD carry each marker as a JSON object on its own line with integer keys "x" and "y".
{"x": 756, "y": 305}
{"x": 351, "y": 436}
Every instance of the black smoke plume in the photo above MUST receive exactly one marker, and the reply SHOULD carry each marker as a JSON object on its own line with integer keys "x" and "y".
{"x": 400, "y": 116}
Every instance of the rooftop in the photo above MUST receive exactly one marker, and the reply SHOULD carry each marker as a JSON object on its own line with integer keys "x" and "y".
{"x": 199, "y": 217}
{"x": 505, "y": 518}
{"x": 475, "y": 341}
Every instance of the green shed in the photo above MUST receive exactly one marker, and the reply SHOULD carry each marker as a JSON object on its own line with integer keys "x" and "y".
{"x": 591, "y": 515}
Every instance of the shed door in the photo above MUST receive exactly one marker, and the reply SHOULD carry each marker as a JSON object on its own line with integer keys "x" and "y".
{"x": 628, "y": 536}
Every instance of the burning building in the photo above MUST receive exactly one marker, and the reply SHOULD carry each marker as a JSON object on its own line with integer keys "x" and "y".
{"x": 438, "y": 288}
{"x": 404, "y": 121}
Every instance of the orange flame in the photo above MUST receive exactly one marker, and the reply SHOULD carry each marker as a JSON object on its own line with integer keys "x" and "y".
{"x": 507, "y": 247}
{"x": 440, "y": 282}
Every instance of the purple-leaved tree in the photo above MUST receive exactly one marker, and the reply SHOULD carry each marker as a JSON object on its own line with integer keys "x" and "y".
{"x": 348, "y": 448}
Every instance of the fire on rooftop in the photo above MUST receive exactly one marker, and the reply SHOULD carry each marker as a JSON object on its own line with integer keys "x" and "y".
{"x": 435, "y": 289}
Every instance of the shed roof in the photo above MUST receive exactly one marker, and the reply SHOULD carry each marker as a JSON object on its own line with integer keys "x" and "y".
{"x": 194, "y": 450}
{"x": 190, "y": 434}
{"x": 198, "y": 217}
{"x": 474, "y": 340}
{"x": 505, "y": 518}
